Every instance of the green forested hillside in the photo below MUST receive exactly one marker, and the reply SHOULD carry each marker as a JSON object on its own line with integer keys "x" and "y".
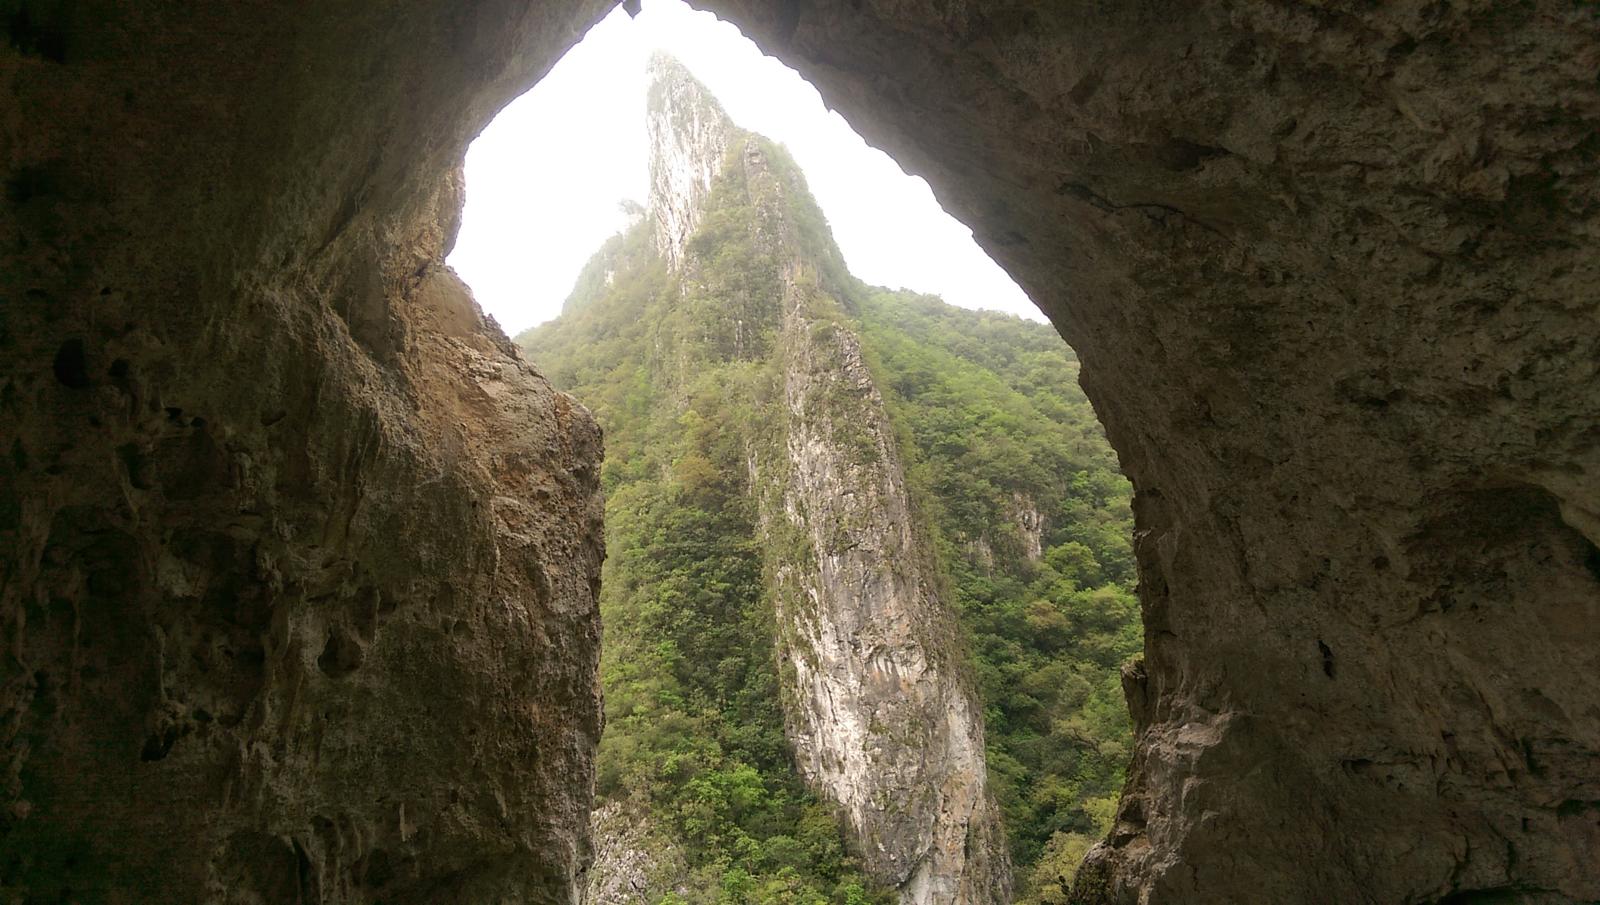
{"x": 991, "y": 405}
{"x": 1009, "y": 470}
{"x": 694, "y": 733}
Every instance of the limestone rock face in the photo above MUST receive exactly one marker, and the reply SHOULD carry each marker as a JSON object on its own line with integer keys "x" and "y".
{"x": 1330, "y": 273}
{"x": 634, "y": 863}
{"x": 881, "y": 717}
{"x": 688, "y": 135}
{"x": 297, "y": 556}
{"x": 1030, "y": 525}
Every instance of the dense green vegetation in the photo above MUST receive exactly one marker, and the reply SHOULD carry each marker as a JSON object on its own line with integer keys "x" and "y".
{"x": 694, "y": 734}
{"x": 692, "y": 692}
{"x": 1000, "y": 431}
{"x": 999, "y": 442}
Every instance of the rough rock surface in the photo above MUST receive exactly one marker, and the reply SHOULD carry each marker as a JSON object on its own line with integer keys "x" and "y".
{"x": 634, "y": 863}
{"x": 297, "y": 556}
{"x": 880, "y": 714}
{"x": 688, "y": 134}
{"x": 1331, "y": 272}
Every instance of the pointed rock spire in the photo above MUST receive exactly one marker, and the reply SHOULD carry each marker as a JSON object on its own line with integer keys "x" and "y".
{"x": 689, "y": 133}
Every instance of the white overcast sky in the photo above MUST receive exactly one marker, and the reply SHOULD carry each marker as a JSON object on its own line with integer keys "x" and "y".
{"x": 544, "y": 180}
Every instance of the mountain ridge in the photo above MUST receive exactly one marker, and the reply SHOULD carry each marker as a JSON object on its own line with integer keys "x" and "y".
{"x": 720, "y": 343}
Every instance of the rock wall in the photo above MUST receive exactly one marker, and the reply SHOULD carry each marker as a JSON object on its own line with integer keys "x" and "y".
{"x": 882, "y": 717}
{"x": 297, "y": 557}
{"x": 1330, "y": 271}
{"x": 688, "y": 135}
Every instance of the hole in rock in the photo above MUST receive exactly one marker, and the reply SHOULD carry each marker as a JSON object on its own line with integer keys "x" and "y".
{"x": 70, "y": 366}
{"x": 37, "y": 33}
{"x": 159, "y": 744}
{"x": 341, "y": 655}
{"x": 376, "y": 869}
{"x": 842, "y": 449}
{"x": 30, "y": 182}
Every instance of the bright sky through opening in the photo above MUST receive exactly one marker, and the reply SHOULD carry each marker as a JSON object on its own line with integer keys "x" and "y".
{"x": 545, "y": 179}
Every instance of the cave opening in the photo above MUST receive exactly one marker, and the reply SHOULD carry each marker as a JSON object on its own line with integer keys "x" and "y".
{"x": 679, "y": 234}
{"x": 564, "y": 167}
{"x": 299, "y": 558}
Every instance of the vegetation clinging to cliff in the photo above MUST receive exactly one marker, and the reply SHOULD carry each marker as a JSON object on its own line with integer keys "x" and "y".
{"x": 1012, "y": 476}
{"x": 1034, "y": 530}
{"x": 694, "y": 732}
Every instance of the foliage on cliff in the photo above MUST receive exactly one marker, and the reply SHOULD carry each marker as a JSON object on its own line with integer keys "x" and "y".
{"x": 1034, "y": 529}
{"x": 694, "y": 730}
{"x": 1014, "y": 482}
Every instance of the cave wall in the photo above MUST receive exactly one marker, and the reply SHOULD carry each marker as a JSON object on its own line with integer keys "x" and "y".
{"x": 1331, "y": 270}
{"x": 297, "y": 558}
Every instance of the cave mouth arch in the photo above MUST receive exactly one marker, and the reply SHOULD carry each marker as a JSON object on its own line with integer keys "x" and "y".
{"x": 536, "y": 208}
{"x": 1324, "y": 294}
{"x": 1014, "y": 481}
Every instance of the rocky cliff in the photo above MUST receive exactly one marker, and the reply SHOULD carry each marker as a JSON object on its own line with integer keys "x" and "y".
{"x": 688, "y": 134}
{"x": 875, "y": 696}
{"x": 881, "y": 715}
{"x": 297, "y": 555}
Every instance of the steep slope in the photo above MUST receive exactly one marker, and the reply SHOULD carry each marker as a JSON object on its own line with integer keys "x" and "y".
{"x": 788, "y": 549}
{"x": 881, "y": 717}
{"x": 771, "y": 457}
{"x": 1034, "y": 533}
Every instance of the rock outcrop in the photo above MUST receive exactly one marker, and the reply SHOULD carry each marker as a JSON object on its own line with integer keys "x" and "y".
{"x": 688, "y": 134}
{"x": 880, "y": 715}
{"x": 882, "y": 718}
{"x": 634, "y": 862}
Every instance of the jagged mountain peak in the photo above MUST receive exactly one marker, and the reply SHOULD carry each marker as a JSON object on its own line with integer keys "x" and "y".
{"x": 689, "y": 134}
